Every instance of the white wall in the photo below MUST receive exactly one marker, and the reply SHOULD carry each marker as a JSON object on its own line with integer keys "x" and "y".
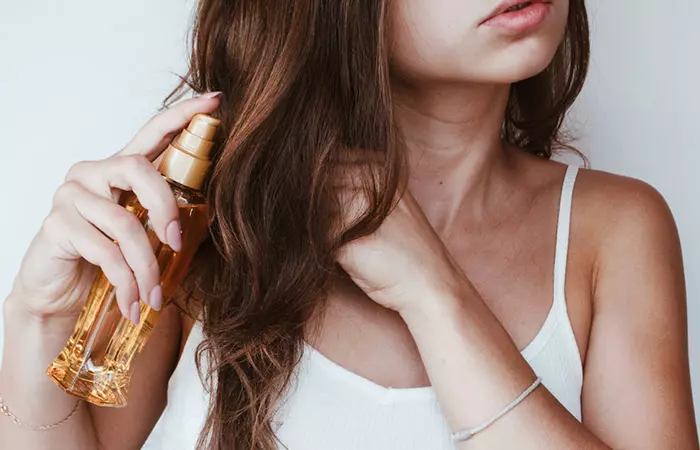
{"x": 78, "y": 78}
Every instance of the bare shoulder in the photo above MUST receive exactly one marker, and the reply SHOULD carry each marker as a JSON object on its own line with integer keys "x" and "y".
{"x": 621, "y": 201}
{"x": 614, "y": 217}
{"x": 607, "y": 206}
{"x": 623, "y": 231}
{"x": 624, "y": 213}
{"x": 633, "y": 236}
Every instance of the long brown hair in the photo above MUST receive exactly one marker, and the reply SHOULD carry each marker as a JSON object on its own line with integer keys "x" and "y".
{"x": 303, "y": 81}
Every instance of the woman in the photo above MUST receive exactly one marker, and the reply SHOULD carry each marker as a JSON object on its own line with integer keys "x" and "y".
{"x": 407, "y": 143}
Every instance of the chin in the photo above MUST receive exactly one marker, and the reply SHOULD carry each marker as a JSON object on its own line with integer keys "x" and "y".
{"x": 512, "y": 73}
{"x": 495, "y": 64}
{"x": 518, "y": 63}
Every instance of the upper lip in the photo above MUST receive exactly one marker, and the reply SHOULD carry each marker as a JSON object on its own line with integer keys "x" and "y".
{"x": 506, "y": 4}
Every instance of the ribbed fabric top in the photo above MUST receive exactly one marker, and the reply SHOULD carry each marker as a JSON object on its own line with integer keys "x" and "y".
{"x": 329, "y": 406}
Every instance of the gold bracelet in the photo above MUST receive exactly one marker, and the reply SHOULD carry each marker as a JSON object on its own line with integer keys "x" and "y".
{"x": 6, "y": 411}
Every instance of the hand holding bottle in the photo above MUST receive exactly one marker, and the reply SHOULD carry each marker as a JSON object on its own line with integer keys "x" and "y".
{"x": 85, "y": 221}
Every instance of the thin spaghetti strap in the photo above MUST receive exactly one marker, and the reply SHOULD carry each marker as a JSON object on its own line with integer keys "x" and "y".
{"x": 563, "y": 228}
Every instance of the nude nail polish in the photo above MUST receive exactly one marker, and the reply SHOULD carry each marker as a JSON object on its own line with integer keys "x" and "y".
{"x": 135, "y": 313}
{"x": 155, "y": 299}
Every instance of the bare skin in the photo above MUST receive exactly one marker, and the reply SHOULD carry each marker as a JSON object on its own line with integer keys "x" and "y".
{"x": 625, "y": 297}
{"x": 372, "y": 339}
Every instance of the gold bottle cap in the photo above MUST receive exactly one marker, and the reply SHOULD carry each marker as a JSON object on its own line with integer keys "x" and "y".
{"x": 187, "y": 159}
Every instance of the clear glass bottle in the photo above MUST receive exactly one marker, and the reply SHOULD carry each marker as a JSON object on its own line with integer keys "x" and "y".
{"x": 97, "y": 362}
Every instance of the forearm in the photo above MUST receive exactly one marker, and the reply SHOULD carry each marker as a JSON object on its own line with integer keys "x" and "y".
{"x": 476, "y": 370}
{"x": 30, "y": 344}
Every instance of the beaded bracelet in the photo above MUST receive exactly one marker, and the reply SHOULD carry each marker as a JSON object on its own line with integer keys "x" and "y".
{"x": 6, "y": 411}
{"x": 464, "y": 435}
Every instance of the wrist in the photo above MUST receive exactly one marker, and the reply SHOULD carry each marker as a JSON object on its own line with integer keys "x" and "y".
{"x": 15, "y": 310}
{"x": 439, "y": 305}
{"x": 31, "y": 343}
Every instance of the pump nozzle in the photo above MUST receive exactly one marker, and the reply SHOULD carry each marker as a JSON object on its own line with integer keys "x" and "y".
{"x": 187, "y": 159}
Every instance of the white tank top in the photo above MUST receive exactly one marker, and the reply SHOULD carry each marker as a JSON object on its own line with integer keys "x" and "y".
{"x": 328, "y": 406}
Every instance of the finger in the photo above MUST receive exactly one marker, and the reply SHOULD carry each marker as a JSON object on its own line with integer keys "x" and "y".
{"x": 155, "y": 136}
{"x": 86, "y": 241}
{"x": 125, "y": 228}
{"x": 134, "y": 173}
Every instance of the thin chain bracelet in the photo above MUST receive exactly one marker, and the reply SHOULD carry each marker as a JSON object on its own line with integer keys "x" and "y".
{"x": 6, "y": 411}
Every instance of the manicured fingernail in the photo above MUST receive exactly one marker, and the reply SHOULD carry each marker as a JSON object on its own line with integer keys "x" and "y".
{"x": 124, "y": 312}
{"x": 210, "y": 95}
{"x": 172, "y": 234}
{"x": 135, "y": 312}
{"x": 155, "y": 298}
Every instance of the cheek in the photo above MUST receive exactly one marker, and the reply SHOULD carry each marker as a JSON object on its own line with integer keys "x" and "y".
{"x": 433, "y": 43}
{"x": 428, "y": 34}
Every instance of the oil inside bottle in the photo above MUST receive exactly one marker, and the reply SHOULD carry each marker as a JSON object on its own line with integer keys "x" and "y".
{"x": 96, "y": 363}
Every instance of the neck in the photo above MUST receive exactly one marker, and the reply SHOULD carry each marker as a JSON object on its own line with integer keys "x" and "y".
{"x": 455, "y": 152}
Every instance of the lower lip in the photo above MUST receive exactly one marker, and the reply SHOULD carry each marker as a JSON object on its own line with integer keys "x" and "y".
{"x": 521, "y": 20}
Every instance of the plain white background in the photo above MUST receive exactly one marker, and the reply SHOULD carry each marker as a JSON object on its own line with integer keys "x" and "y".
{"x": 78, "y": 78}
